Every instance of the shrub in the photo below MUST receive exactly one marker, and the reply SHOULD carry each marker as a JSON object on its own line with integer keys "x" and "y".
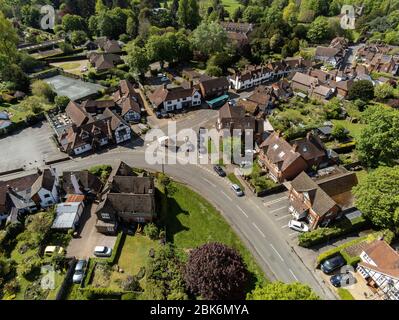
{"x": 130, "y": 296}
{"x": 131, "y": 283}
{"x": 151, "y": 231}
{"x": 101, "y": 293}
{"x": 61, "y": 102}
{"x": 117, "y": 248}
{"x": 101, "y": 171}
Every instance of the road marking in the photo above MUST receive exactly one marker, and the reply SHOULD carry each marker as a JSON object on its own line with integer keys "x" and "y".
{"x": 226, "y": 195}
{"x": 281, "y": 258}
{"x": 292, "y": 233}
{"x": 283, "y": 217}
{"x": 213, "y": 185}
{"x": 275, "y": 210}
{"x": 239, "y": 208}
{"x": 274, "y": 201}
{"x": 260, "y": 231}
{"x": 293, "y": 274}
{"x": 285, "y": 226}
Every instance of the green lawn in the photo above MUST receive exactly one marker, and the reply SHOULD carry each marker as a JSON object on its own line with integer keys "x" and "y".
{"x": 354, "y": 128}
{"x": 69, "y": 65}
{"x": 19, "y": 112}
{"x": 232, "y": 177}
{"x": 345, "y": 294}
{"x": 229, "y": 5}
{"x": 361, "y": 175}
{"x": 192, "y": 221}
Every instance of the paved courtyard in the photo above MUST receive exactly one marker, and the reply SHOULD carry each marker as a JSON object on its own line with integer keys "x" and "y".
{"x": 72, "y": 88}
{"x": 28, "y": 148}
{"x": 82, "y": 247}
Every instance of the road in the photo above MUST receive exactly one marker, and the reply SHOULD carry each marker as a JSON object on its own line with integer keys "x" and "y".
{"x": 248, "y": 215}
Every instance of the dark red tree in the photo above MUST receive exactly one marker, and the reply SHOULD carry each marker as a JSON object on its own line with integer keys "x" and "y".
{"x": 216, "y": 272}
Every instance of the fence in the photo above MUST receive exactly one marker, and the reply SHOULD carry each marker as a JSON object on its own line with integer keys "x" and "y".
{"x": 62, "y": 292}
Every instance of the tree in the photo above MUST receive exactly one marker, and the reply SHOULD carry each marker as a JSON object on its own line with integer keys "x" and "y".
{"x": 100, "y": 6}
{"x": 362, "y": 89}
{"x": 183, "y": 13}
{"x": 283, "y": 291}
{"x": 333, "y": 109}
{"x": 136, "y": 59}
{"x": 290, "y": 13}
{"x": 31, "y": 16}
{"x": 151, "y": 231}
{"x": 377, "y": 196}
{"x": 131, "y": 27}
{"x": 319, "y": 30}
{"x": 160, "y": 48}
{"x": 8, "y": 39}
{"x": 339, "y": 132}
{"x": 78, "y": 37}
{"x": 216, "y": 272}
{"x": 72, "y": 22}
{"x": 383, "y": 91}
{"x": 252, "y": 14}
{"x": 43, "y": 90}
{"x": 209, "y": 38}
{"x": 193, "y": 13}
{"x": 61, "y": 102}
{"x": 214, "y": 71}
{"x": 237, "y": 14}
{"x": 379, "y": 140}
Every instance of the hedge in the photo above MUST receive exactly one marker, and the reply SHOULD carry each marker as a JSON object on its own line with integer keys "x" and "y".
{"x": 89, "y": 273}
{"x": 101, "y": 293}
{"x": 321, "y": 235}
{"x": 120, "y": 240}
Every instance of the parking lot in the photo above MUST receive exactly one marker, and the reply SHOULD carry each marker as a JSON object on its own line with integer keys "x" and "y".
{"x": 28, "y": 148}
{"x": 277, "y": 207}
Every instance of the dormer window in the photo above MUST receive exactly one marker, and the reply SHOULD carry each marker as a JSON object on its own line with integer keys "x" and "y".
{"x": 275, "y": 147}
{"x": 306, "y": 196}
{"x": 281, "y": 154}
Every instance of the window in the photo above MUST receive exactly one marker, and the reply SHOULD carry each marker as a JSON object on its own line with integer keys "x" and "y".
{"x": 281, "y": 154}
{"x": 47, "y": 196}
{"x": 275, "y": 147}
{"x": 306, "y": 196}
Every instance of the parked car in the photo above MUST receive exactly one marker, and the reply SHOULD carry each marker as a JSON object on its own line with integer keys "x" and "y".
{"x": 329, "y": 265}
{"x": 298, "y": 226}
{"x": 79, "y": 271}
{"x": 50, "y": 250}
{"x": 219, "y": 171}
{"x": 158, "y": 114}
{"x": 164, "y": 79}
{"x": 340, "y": 279}
{"x": 237, "y": 190}
{"x": 102, "y": 251}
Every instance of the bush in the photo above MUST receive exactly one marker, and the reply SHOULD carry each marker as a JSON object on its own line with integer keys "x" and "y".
{"x": 101, "y": 171}
{"x": 61, "y": 102}
{"x": 131, "y": 283}
{"x": 101, "y": 293}
{"x": 321, "y": 235}
{"x": 151, "y": 231}
{"x": 130, "y": 296}
{"x": 120, "y": 240}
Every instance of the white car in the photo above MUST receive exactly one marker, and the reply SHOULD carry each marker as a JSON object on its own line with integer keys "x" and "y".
{"x": 101, "y": 251}
{"x": 50, "y": 250}
{"x": 298, "y": 226}
{"x": 237, "y": 190}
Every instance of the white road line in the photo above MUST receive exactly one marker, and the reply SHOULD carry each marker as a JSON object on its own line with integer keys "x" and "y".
{"x": 226, "y": 195}
{"x": 274, "y": 201}
{"x": 260, "y": 231}
{"x": 281, "y": 258}
{"x": 283, "y": 217}
{"x": 286, "y": 226}
{"x": 239, "y": 208}
{"x": 212, "y": 184}
{"x": 293, "y": 274}
{"x": 292, "y": 233}
{"x": 275, "y": 210}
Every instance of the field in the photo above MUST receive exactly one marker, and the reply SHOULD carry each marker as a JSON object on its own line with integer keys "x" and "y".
{"x": 192, "y": 221}
{"x": 229, "y": 5}
{"x": 355, "y": 129}
{"x": 19, "y": 112}
{"x": 74, "y": 67}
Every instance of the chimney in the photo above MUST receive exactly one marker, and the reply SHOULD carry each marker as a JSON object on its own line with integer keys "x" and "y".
{"x": 165, "y": 86}
{"x": 39, "y": 171}
{"x": 191, "y": 84}
{"x": 295, "y": 147}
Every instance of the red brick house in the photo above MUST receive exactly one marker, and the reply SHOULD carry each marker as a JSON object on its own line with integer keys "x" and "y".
{"x": 323, "y": 199}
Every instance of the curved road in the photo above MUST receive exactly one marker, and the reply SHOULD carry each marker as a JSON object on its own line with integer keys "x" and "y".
{"x": 247, "y": 215}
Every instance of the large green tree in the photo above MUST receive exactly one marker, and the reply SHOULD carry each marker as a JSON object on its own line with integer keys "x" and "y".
{"x": 72, "y": 22}
{"x": 283, "y": 291}
{"x": 8, "y": 39}
{"x": 377, "y": 196}
{"x": 362, "y": 89}
{"x": 319, "y": 30}
{"x": 136, "y": 59}
{"x": 209, "y": 38}
{"x": 379, "y": 140}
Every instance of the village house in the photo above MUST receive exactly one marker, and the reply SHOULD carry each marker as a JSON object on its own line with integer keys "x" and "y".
{"x": 29, "y": 193}
{"x": 376, "y": 58}
{"x": 108, "y": 46}
{"x": 312, "y": 87}
{"x": 237, "y": 32}
{"x": 284, "y": 161}
{"x": 260, "y": 102}
{"x": 164, "y": 99}
{"x": 81, "y": 183}
{"x": 255, "y": 75}
{"x": 334, "y": 53}
{"x": 321, "y": 200}
{"x": 129, "y": 102}
{"x": 126, "y": 198}
{"x": 91, "y": 133}
{"x": 379, "y": 267}
{"x": 214, "y": 87}
{"x": 104, "y": 61}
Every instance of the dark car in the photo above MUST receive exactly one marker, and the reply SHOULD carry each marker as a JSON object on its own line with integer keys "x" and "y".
{"x": 341, "y": 279}
{"x": 332, "y": 264}
{"x": 219, "y": 171}
{"x": 158, "y": 114}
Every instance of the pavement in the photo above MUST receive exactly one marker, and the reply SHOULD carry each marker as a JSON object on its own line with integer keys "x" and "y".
{"x": 28, "y": 148}
{"x": 82, "y": 246}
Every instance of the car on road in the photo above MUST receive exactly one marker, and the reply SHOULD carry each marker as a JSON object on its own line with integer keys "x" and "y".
{"x": 298, "y": 226}
{"x": 342, "y": 279}
{"x": 219, "y": 171}
{"x": 79, "y": 271}
{"x": 50, "y": 250}
{"x": 102, "y": 251}
{"x": 237, "y": 190}
{"x": 332, "y": 264}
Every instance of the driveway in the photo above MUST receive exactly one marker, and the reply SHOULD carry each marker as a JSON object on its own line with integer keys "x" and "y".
{"x": 28, "y": 148}
{"x": 82, "y": 247}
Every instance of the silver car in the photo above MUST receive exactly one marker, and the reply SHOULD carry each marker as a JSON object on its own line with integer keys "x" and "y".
{"x": 79, "y": 271}
{"x": 237, "y": 190}
{"x": 101, "y": 251}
